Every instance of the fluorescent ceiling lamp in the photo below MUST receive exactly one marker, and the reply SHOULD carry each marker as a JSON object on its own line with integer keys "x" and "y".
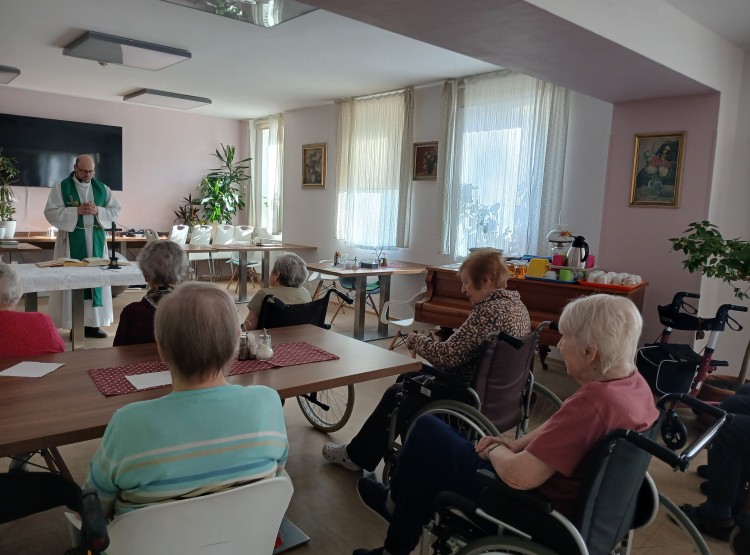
{"x": 108, "y": 49}
{"x": 7, "y": 74}
{"x": 166, "y": 99}
{"x": 265, "y": 13}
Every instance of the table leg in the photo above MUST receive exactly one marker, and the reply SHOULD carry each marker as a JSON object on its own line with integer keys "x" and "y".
{"x": 76, "y": 332}
{"x": 31, "y": 303}
{"x": 385, "y": 295}
{"x": 359, "y": 307}
{"x": 243, "y": 276}
{"x": 266, "y": 268}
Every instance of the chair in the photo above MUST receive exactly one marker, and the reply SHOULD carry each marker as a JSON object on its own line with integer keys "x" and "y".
{"x": 371, "y": 288}
{"x": 223, "y": 236}
{"x": 27, "y": 493}
{"x": 330, "y": 409}
{"x": 201, "y": 235}
{"x": 150, "y": 235}
{"x": 244, "y": 234}
{"x": 325, "y": 281}
{"x": 242, "y": 520}
{"x": 406, "y": 310}
{"x": 179, "y": 234}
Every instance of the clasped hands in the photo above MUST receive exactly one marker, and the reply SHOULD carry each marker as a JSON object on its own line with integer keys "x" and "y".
{"x": 488, "y": 443}
{"x": 87, "y": 208}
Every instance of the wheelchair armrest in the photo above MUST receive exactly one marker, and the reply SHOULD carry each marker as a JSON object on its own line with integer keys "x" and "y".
{"x": 452, "y": 500}
{"x": 444, "y": 377}
{"x": 346, "y": 298}
{"x": 495, "y": 490}
{"x": 93, "y": 523}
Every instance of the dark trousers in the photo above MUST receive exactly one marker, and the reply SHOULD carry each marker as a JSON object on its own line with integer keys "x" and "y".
{"x": 434, "y": 459}
{"x": 729, "y": 459}
{"x": 371, "y": 443}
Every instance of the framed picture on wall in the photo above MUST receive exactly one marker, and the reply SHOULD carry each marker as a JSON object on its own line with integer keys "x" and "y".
{"x": 314, "y": 165}
{"x": 425, "y": 161}
{"x": 657, "y": 168}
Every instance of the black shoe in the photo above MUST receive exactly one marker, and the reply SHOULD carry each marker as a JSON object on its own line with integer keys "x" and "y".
{"x": 717, "y": 528}
{"x": 363, "y": 551}
{"x": 374, "y": 495}
{"x": 702, "y": 471}
{"x": 97, "y": 333}
{"x": 704, "y": 488}
{"x": 739, "y": 541}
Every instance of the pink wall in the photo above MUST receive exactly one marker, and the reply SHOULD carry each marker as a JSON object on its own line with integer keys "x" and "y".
{"x": 634, "y": 239}
{"x": 165, "y": 153}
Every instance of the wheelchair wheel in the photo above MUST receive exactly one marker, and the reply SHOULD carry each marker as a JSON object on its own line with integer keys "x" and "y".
{"x": 504, "y": 544}
{"x": 670, "y": 533}
{"x": 466, "y": 420}
{"x": 543, "y": 404}
{"x": 328, "y": 410}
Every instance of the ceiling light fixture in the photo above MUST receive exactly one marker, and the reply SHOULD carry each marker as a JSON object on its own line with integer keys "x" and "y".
{"x": 7, "y": 74}
{"x": 109, "y": 49}
{"x": 265, "y": 13}
{"x": 166, "y": 99}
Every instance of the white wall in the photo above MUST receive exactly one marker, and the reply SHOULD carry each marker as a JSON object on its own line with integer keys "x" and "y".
{"x": 165, "y": 153}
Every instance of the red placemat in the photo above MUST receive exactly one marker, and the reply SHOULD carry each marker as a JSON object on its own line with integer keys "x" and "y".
{"x": 112, "y": 381}
{"x": 608, "y": 285}
{"x": 399, "y": 265}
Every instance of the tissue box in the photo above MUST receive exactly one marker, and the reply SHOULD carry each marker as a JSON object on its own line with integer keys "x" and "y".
{"x": 369, "y": 265}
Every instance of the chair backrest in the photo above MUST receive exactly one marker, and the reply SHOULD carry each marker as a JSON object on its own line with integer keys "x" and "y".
{"x": 372, "y": 287}
{"x": 150, "y": 235}
{"x": 243, "y": 520}
{"x": 502, "y": 379}
{"x": 179, "y": 234}
{"x": 274, "y": 313}
{"x": 224, "y": 234}
{"x": 201, "y": 235}
{"x": 243, "y": 233}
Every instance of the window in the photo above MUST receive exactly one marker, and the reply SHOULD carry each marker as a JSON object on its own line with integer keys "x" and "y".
{"x": 504, "y": 183}
{"x": 373, "y": 180}
{"x": 268, "y": 162}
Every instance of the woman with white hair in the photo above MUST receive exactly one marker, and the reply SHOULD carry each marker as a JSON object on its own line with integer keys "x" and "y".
{"x": 287, "y": 277}
{"x": 206, "y": 435}
{"x": 164, "y": 266}
{"x": 23, "y": 333}
{"x": 600, "y": 336}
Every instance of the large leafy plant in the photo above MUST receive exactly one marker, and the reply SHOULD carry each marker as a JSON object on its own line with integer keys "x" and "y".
{"x": 222, "y": 190}
{"x": 187, "y": 212}
{"x": 714, "y": 256}
{"x": 8, "y": 173}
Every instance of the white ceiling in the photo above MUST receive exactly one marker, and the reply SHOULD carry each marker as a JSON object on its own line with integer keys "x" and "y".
{"x": 249, "y": 71}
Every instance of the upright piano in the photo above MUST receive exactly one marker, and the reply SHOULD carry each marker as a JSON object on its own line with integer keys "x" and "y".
{"x": 446, "y": 306}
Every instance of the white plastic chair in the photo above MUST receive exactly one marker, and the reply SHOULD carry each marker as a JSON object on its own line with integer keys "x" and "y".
{"x": 240, "y": 521}
{"x": 401, "y": 314}
{"x": 201, "y": 235}
{"x": 179, "y": 234}
{"x": 223, "y": 236}
{"x": 244, "y": 234}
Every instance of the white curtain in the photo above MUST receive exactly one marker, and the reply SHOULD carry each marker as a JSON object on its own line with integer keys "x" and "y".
{"x": 275, "y": 169}
{"x": 373, "y": 171}
{"x": 506, "y": 152}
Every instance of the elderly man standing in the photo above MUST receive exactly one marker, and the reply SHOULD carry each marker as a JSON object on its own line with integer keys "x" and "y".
{"x": 82, "y": 208}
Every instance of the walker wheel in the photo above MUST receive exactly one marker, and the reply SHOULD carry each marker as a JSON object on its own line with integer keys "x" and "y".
{"x": 673, "y": 431}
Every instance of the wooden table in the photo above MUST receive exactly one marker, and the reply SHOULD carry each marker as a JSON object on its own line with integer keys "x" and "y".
{"x": 44, "y": 241}
{"x": 20, "y": 248}
{"x": 75, "y": 279}
{"x": 266, "y": 248}
{"x": 360, "y": 276}
{"x": 66, "y": 407}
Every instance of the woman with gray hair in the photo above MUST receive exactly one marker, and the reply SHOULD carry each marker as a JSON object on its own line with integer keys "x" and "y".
{"x": 23, "y": 333}
{"x": 288, "y": 274}
{"x": 164, "y": 266}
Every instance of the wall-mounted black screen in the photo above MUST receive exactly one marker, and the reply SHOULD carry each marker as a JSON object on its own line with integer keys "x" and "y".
{"x": 45, "y": 149}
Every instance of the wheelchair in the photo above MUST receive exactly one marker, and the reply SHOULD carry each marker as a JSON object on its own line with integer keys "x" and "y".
{"x": 504, "y": 398}
{"x": 330, "y": 409}
{"x": 617, "y": 499}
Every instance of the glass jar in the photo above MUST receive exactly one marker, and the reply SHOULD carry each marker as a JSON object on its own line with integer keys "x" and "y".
{"x": 264, "y": 350}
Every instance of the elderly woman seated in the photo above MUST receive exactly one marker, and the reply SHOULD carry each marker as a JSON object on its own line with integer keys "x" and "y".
{"x": 288, "y": 274}
{"x": 164, "y": 266}
{"x": 599, "y": 340}
{"x": 204, "y": 436}
{"x": 23, "y": 333}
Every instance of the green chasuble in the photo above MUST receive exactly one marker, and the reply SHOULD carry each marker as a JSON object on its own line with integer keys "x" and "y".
{"x": 77, "y": 237}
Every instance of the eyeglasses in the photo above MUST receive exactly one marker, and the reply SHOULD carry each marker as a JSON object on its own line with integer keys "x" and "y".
{"x": 85, "y": 171}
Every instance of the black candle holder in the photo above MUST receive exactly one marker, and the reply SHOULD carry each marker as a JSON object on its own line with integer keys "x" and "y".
{"x": 113, "y": 265}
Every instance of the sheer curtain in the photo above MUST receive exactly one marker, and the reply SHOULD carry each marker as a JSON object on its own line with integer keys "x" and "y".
{"x": 275, "y": 169}
{"x": 373, "y": 172}
{"x": 505, "y": 139}
{"x": 265, "y": 193}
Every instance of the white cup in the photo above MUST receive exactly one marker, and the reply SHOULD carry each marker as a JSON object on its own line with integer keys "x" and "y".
{"x": 551, "y": 275}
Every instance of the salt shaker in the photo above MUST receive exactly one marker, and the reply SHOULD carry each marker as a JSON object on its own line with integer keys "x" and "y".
{"x": 242, "y": 352}
{"x": 264, "y": 352}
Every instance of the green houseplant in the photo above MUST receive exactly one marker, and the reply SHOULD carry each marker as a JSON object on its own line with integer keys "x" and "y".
{"x": 8, "y": 175}
{"x": 222, "y": 190}
{"x": 187, "y": 212}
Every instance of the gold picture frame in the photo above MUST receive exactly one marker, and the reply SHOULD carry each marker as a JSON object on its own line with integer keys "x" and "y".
{"x": 314, "y": 165}
{"x": 657, "y": 169}
{"x": 425, "y": 161}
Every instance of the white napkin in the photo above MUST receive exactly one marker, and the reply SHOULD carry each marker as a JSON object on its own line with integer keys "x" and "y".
{"x": 31, "y": 369}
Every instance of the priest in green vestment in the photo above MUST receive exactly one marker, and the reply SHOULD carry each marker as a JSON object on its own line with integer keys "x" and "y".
{"x": 82, "y": 208}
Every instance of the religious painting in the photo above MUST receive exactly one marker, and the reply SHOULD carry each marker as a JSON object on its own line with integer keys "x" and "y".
{"x": 314, "y": 165}
{"x": 425, "y": 161}
{"x": 657, "y": 168}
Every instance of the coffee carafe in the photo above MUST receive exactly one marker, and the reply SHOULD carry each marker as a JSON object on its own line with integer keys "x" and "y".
{"x": 578, "y": 253}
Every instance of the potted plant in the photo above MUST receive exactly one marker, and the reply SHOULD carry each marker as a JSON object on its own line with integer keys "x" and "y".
{"x": 222, "y": 191}
{"x": 187, "y": 212}
{"x": 728, "y": 260}
{"x": 8, "y": 175}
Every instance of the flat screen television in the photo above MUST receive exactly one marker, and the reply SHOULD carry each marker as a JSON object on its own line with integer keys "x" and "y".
{"x": 45, "y": 149}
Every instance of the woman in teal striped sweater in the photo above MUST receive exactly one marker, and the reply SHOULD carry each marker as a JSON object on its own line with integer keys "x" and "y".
{"x": 204, "y": 436}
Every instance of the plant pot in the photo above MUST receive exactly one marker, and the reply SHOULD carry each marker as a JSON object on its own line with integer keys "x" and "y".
{"x": 715, "y": 389}
{"x": 10, "y": 228}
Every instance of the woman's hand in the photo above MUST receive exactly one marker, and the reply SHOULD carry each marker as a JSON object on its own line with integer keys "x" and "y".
{"x": 488, "y": 443}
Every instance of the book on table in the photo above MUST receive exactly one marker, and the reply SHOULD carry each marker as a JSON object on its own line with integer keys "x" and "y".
{"x": 90, "y": 261}
{"x": 9, "y": 243}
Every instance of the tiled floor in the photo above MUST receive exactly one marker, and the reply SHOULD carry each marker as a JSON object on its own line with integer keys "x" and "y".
{"x": 325, "y": 504}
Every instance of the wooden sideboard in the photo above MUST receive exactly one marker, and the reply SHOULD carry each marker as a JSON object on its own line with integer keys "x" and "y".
{"x": 446, "y": 306}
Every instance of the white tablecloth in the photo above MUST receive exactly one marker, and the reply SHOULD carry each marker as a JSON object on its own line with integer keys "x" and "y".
{"x": 35, "y": 279}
